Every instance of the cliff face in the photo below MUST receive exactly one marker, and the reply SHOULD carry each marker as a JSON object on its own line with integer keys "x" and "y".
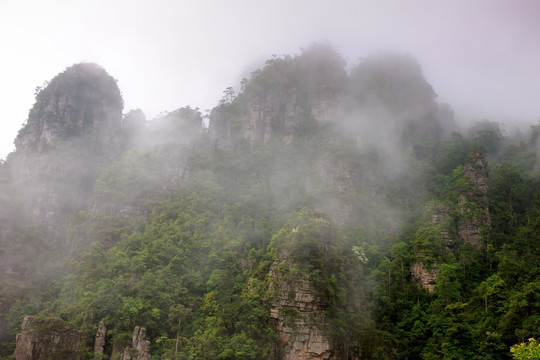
{"x": 72, "y": 132}
{"x": 284, "y": 101}
{"x": 46, "y": 339}
{"x": 442, "y": 229}
{"x": 99, "y": 342}
{"x": 299, "y": 316}
{"x": 82, "y": 101}
{"x": 432, "y": 242}
{"x": 383, "y": 109}
{"x": 140, "y": 349}
{"x": 426, "y": 277}
{"x": 385, "y": 98}
{"x": 298, "y": 309}
{"x": 474, "y": 204}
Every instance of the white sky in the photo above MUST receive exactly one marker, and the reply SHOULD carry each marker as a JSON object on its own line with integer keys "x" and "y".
{"x": 481, "y": 56}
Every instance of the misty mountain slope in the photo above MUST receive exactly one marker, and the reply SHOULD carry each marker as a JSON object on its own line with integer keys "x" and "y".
{"x": 283, "y": 100}
{"x": 82, "y": 100}
{"x": 324, "y": 214}
{"x": 309, "y": 102}
{"x": 72, "y": 133}
{"x": 157, "y": 160}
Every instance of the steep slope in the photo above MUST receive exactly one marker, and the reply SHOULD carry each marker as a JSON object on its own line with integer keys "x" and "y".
{"x": 297, "y": 306}
{"x": 285, "y": 100}
{"x": 72, "y": 133}
{"x": 287, "y": 229}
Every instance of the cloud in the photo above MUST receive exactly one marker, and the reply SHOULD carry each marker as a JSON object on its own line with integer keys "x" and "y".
{"x": 481, "y": 56}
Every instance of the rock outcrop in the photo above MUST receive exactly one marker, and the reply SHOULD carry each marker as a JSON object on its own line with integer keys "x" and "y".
{"x": 473, "y": 204}
{"x": 99, "y": 343}
{"x": 299, "y": 316}
{"x": 73, "y": 131}
{"x": 427, "y": 278}
{"x": 431, "y": 241}
{"x": 83, "y": 102}
{"x": 46, "y": 339}
{"x": 439, "y": 214}
{"x": 298, "y": 309}
{"x": 140, "y": 347}
{"x": 442, "y": 229}
{"x": 276, "y": 104}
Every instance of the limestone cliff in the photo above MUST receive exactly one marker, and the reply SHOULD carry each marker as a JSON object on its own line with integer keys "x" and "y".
{"x": 431, "y": 242}
{"x": 46, "y": 339}
{"x": 360, "y": 127}
{"x": 286, "y": 100}
{"x": 299, "y": 316}
{"x": 473, "y": 204}
{"x": 99, "y": 342}
{"x": 72, "y": 132}
{"x": 441, "y": 229}
{"x": 81, "y": 102}
{"x": 297, "y": 307}
{"x": 426, "y": 277}
{"x": 140, "y": 347}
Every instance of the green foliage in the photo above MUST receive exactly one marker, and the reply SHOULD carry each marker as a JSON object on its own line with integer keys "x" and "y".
{"x": 526, "y": 351}
{"x": 183, "y": 229}
{"x": 486, "y": 135}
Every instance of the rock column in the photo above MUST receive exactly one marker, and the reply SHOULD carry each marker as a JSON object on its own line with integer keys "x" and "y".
{"x": 46, "y": 339}
{"x": 99, "y": 343}
{"x": 140, "y": 349}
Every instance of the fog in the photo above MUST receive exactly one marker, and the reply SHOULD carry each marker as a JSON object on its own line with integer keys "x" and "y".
{"x": 336, "y": 135}
{"x": 481, "y": 57}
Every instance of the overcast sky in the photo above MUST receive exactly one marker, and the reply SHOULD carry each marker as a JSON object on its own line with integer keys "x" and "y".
{"x": 481, "y": 56}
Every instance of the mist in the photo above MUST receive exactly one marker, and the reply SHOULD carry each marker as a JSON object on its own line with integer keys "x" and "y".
{"x": 480, "y": 57}
{"x": 363, "y": 179}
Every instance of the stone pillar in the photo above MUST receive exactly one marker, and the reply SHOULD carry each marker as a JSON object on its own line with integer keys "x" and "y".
{"x": 141, "y": 344}
{"x": 46, "y": 339}
{"x": 99, "y": 343}
{"x": 140, "y": 349}
{"x": 299, "y": 316}
{"x": 472, "y": 221}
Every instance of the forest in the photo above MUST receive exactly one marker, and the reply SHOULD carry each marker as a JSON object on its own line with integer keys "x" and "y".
{"x": 323, "y": 210}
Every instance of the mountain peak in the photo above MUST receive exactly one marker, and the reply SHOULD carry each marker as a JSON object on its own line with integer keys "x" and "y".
{"x": 83, "y": 99}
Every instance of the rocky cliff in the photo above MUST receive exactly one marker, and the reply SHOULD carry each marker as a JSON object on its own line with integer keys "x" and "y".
{"x": 432, "y": 241}
{"x": 286, "y": 100}
{"x": 298, "y": 309}
{"x": 473, "y": 204}
{"x": 275, "y": 148}
{"x": 99, "y": 342}
{"x": 140, "y": 347}
{"x": 81, "y": 103}
{"x": 361, "y": 127}
{"x": 298, "y": 315}
{"x": 46, "y": 339}
{"x": 445, "y": 224}
{"x": 73, "y": 131}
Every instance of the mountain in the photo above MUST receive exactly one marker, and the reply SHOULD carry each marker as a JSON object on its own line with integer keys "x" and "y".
{"x": 72, "y": 133}
{"x": 326, "y": 212}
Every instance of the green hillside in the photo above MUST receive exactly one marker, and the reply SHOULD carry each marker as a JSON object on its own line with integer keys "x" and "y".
{"x": 327, "y": 211}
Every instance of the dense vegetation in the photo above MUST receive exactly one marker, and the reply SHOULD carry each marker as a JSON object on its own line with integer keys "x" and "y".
{"x": 349, "y": 167}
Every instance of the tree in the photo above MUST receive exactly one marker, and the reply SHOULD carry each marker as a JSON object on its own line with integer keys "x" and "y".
{"x": 491, "y": 288}
{"x": 526, "y": 351}
{"x": 180, "y": 313}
